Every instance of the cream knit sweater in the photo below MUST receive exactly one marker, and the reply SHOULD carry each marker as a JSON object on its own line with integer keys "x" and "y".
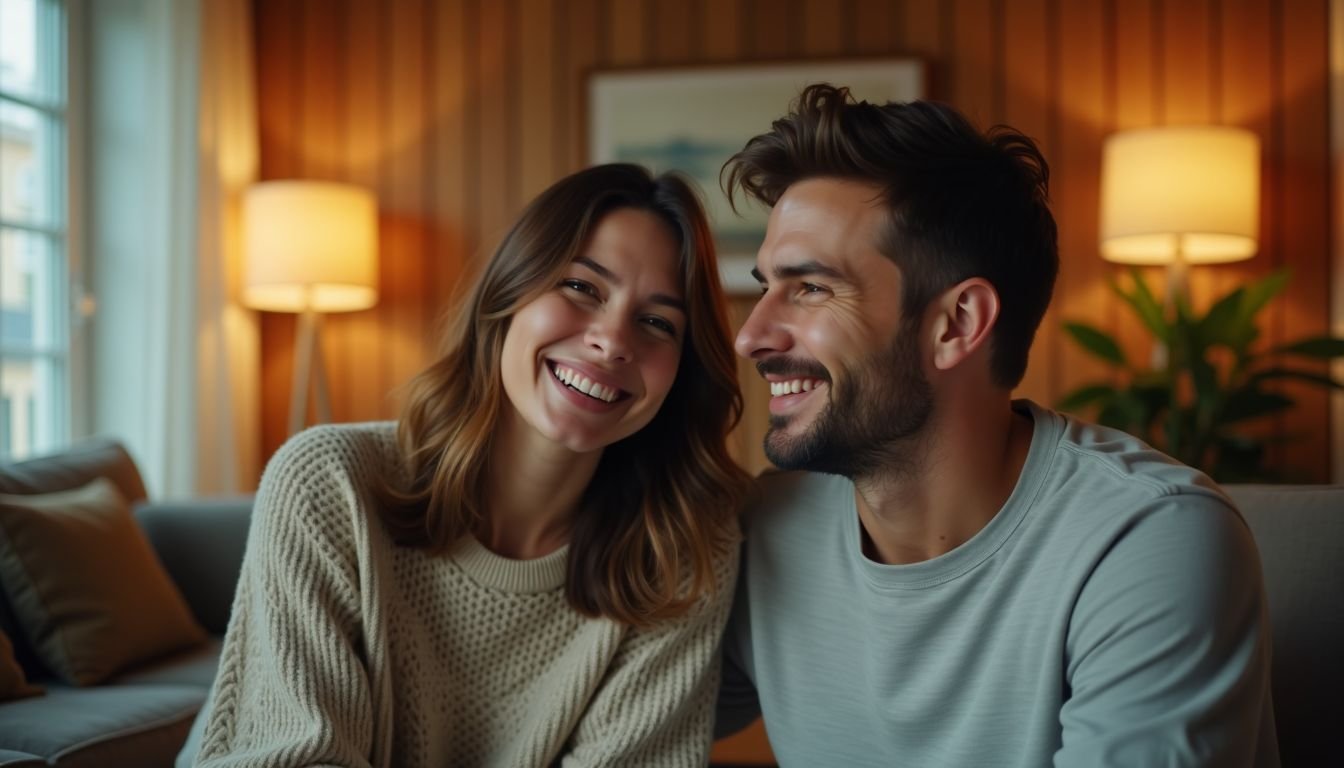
{"x": 345, "y": 649}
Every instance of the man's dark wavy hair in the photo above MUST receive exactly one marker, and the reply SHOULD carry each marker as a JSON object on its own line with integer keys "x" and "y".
{"x": 961, "y": 203}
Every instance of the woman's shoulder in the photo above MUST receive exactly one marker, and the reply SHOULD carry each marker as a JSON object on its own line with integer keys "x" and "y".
{"x": 336, "y": 451}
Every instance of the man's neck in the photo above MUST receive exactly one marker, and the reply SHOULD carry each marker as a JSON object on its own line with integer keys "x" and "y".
{"x": 971, "y": 463}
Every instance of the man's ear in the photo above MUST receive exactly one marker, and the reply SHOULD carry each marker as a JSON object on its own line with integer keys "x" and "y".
{"x": 966, "y": 314}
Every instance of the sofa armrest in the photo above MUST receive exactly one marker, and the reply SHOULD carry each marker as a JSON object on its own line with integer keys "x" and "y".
{"x": 200, "y": 544}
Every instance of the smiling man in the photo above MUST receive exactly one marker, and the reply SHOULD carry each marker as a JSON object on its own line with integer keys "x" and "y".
{"x": 943, "y": 575}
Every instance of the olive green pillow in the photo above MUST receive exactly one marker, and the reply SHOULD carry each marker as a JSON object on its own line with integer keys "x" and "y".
{"x": 86, "y": 588}
{"x": 13, "y": 684}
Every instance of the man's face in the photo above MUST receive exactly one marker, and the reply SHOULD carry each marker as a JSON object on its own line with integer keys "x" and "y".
{"x": 848, "y": 390}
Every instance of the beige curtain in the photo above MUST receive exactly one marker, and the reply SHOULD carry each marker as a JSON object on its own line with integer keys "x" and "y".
{"x": 228, "y": 401}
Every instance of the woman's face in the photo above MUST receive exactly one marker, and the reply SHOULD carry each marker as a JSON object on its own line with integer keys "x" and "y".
{"x": 590, "y": 361}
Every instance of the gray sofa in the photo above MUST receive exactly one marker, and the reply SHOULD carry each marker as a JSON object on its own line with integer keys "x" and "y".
{"x": 141, "y": 717}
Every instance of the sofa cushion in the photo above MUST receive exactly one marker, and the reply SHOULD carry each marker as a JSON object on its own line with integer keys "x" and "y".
{"x": 1299, "y": 531}
{"x": 12, "y": 759}
{"x": 197, "y": 666}
{"x": 114, "y": 725}
{"x": 76, "y": 466}
{"x": 201, "y": 545}
{"x": 85, "y": 586}
{"x": 13, "y": 683}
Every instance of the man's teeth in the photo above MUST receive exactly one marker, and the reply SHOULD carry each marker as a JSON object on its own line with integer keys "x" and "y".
{"x": 793, "y": 386}
{"x": 576, "y": 380}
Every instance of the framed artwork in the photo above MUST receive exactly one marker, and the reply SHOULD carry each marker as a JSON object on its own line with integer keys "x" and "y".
{"x": 693, "y": 119}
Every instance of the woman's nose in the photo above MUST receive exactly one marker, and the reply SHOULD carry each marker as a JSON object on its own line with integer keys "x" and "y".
{"x": 610, "y": 336}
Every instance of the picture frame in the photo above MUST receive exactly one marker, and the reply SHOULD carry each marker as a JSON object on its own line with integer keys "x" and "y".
{"x": 692, "y": 119}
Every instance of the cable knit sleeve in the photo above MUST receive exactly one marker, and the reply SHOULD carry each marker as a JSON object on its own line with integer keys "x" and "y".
{"x": 655, "y": 706}
{"x": 292, "y": 689}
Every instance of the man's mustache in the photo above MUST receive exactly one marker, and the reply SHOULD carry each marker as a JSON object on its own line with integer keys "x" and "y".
{"x": 785, "y": 366}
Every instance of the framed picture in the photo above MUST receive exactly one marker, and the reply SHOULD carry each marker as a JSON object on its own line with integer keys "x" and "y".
{"x": 693, "y": 119}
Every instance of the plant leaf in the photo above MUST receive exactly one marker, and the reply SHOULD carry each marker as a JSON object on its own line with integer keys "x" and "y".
{"x": 1317, "y": 347}
{"x": 1222, "y": 323}
{"x": 1085, "y": 396}
{"x": 1297, "y": 375}
{"x": 1255, "y": 297}
{"x": 1145, "y": 305}
{"x": 1097, "y": 342}
{"x": 1250, "y": 402}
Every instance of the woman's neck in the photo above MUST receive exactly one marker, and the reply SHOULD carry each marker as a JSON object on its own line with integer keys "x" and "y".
{"x": 533, "y": 488}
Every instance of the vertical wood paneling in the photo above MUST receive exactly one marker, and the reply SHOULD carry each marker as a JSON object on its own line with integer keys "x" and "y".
{"x": 822, "y": 27}
{"x": 1246, "y": 90}
{"x": 457, "y": 112}
{"x": 670, "y": 39}
{"x": 401, "y": 193}
{"x": 626, "y": 21}
{"x": 1304, "y": 233}
{"x": 1081, "y": 292}
{"x": 1026, "y": 100}
{"x": 720, "y": 31}
{"x": 768, "y": 29}
{"x": 973, "y": 73}
{"x": 532, "y": 58}
{"x": 361, "y": 388}
{"x": 493, "y": 95}
{"x": 580, "y": 58}
{"x": 448, "y": 135}
{"x": 874, "y": 26}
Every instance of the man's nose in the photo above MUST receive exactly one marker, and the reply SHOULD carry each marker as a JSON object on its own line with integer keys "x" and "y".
{"x": 763, "y": 333}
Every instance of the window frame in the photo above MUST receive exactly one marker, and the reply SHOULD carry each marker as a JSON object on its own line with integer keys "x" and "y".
{"x": 68, "y": 350}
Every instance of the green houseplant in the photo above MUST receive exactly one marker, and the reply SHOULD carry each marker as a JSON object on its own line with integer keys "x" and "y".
{"x": 1196, "y": 406}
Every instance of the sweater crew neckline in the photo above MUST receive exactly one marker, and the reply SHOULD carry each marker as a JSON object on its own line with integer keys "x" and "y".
{"x": 493, "y": 571}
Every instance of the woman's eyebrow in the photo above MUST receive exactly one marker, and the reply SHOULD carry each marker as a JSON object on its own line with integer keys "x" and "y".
{"x": 608, "y": 275}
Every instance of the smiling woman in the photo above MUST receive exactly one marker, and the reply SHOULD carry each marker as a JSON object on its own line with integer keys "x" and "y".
{"x": 537, "y": 561}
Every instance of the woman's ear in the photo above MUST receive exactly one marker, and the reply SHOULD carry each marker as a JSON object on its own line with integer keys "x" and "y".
{"x": 966, "y": 314}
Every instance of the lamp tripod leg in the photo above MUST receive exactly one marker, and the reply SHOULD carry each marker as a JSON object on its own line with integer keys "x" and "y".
{"x": 304, "y": 344}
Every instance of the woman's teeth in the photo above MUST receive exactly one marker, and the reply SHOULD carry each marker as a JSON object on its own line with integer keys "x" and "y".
{"x": 575, "y": 380}
{"x": 793, "y": 386}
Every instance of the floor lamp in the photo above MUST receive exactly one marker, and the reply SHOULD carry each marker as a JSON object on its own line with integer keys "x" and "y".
{"x": 309, "y": 247}
{"x": 1178, "y": 196}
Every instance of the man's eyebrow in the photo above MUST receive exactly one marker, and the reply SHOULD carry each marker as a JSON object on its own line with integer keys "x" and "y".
{"x": 801, "y": 269}
{"x": 609, "y": 276}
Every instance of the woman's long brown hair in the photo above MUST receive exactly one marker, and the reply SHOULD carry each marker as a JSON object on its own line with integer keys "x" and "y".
{"x": 663, "y": 501}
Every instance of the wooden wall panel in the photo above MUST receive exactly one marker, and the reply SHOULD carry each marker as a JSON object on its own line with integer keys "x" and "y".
{"x": 458, "y": 111}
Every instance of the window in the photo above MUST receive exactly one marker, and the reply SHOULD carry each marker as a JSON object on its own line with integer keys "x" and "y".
{"x": 35, "y": 349}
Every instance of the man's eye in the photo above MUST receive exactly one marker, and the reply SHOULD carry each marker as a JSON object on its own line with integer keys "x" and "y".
{"x": 813, "y": 288}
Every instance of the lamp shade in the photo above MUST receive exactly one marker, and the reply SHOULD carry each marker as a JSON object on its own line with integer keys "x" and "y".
{"x": 1191, "y": 193}
{"x": 309, "y": 245}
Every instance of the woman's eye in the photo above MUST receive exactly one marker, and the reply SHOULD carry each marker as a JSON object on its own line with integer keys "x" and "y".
{"x": 579, "y": 286}
{"x": 661, "y": 325}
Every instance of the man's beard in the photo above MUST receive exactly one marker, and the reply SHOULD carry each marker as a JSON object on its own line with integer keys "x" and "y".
{"x": 873, "y": 421}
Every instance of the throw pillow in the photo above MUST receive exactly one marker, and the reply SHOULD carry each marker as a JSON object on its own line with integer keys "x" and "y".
{"x": 85, "y": 586}
{"x": 13, "y": 685}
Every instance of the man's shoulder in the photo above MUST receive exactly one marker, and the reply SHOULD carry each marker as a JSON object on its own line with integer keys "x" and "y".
{"x": 1106, "y": 464}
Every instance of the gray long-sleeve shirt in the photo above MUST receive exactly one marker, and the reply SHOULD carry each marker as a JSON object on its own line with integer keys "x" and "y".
{"x": 1111, "y": 613}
